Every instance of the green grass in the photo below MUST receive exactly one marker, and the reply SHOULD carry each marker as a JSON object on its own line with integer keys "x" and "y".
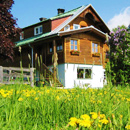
{"x": 45, "y": 108}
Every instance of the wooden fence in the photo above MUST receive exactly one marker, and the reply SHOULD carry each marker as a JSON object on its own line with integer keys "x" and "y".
{"x": 11, "y": 75}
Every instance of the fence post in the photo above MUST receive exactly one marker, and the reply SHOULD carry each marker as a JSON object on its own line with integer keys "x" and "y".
{"x": 1, "y": 74}
{"x": 32, "y": 76}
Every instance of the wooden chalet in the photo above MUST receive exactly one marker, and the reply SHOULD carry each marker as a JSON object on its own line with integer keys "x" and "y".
{"x": 71, "y": 45}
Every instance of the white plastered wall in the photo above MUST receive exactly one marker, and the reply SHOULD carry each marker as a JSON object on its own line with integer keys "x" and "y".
{"x": 67, "y": 74}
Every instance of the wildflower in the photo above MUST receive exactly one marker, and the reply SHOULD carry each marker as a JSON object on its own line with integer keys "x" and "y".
{"x": 99, "y": 125}
{"x": 85, "y": 123}
{"x": 128, "y": 127}
{"x": 104, "y": 121}
{"x": 101, "y": 116}
{"x": 73, "y": 121}
{"x": 85, "y": 117}
{"x": 57, "y": 97}
{"x": 36, "y": 98}
{"x": 94, "y": 115}
{"x": 20, "y": 99}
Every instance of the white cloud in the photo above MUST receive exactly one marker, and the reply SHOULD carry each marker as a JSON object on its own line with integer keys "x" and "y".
{"x": 121, "y": 19}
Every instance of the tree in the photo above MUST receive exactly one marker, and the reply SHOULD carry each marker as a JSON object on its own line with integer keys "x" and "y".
{"x": 119, "y": 56}
{"x": 8, "y": 30}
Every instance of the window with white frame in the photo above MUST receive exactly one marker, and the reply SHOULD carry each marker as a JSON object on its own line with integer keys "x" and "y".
{"x": 38, "y": 30}
{"x": 76, "y": 26}
{"x": 95, "y": 48}
{"x": 74, "y": 44}
{"x": 84, "y": 73}
{"x": 67, "y": 28}
{"x": 22, "y": 35}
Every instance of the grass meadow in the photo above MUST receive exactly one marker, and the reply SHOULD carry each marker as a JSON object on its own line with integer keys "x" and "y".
{"x": 45, "y": 108}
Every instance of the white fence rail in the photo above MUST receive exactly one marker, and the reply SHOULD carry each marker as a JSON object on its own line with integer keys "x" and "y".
{"x": 13, "y": 75}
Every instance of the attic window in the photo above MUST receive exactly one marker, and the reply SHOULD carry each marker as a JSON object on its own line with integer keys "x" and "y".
{"x": 38, "y": 30}
{"x": 21, "y": 35}
{"x": 76, "y": 26}
{"x": 67, "y": 28}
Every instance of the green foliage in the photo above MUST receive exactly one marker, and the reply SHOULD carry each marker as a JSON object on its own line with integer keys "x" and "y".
{"x": 118, "y": 69}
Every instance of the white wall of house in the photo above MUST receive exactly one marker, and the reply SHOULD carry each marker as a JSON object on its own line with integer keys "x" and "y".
{"x": 67, "y": 74}
{"x": 71, "y": 79}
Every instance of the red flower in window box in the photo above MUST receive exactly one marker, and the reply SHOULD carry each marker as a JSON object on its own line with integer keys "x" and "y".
{"x": 74, "y": 52}
{"x": 96, "y": 54}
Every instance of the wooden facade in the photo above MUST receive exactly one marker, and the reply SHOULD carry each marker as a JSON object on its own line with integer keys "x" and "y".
{"x": 85, "y": 39}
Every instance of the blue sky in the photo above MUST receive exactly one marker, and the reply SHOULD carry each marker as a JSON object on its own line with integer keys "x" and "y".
{"x": 113, "y": 12}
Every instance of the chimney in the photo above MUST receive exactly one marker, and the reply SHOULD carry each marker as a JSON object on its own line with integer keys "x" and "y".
{"x": 60, "y": 11}
{"x": 42, "y": 19}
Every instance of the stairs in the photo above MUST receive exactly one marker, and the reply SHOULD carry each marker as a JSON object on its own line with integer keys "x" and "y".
{"x": 49, "y": 77}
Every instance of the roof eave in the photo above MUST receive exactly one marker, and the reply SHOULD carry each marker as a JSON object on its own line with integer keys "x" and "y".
{"x": 85, "y": 29}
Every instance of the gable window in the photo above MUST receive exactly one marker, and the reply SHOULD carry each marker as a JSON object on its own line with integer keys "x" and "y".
{"x": 59, "y": 46}
{"x": 50, "y": 47}
{"x": 76, "y": 26}
{"x": 84, "y": 73}
{"x": 74, "y": 44}
{"x": 95, "y": 48}
{"x": 67, "y": 28}
{"x": 38, "y": 30}
{"x": 21, "y": 35}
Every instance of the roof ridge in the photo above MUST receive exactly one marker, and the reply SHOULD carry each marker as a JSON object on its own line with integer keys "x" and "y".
{"x": 73, "y": 9}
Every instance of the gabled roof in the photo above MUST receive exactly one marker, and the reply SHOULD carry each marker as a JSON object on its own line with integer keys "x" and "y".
{"x": 73, "y": 13}
{"x": 76, "y": 14}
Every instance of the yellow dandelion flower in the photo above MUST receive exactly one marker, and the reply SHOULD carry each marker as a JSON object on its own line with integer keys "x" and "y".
{"x": 101, "y": 116}
{"x": 128, "y": 99}
{"x": 104, "y": 121}
{"x": 94, "y": 115}
{"x": 128, "y": 127}
{"x": 85, "y": 117}
{"x": 20, "y": 99}
{"x": 99, "y": 125}
{"x": 36, "y": 98}
{"x": 73, "y": 121}
{"x": 57, "y": 97}
{"x": 85, "y": 123}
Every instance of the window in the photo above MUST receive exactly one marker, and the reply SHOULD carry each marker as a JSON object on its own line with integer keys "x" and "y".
{"x": 50, "y": 47}
{"x": 95, "y": 48}
{"x": 76, "y": 26}
{"x": 38, "y": 30}
{"x": 74, "y": 44}
{"x": 21, "y": 35}
{"x": 59, "y": 46}
{"x": 84, "y": 73}
{"x": 67, "y": 28}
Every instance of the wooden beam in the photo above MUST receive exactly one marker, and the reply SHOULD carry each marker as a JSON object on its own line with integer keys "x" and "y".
{"x": 54, "y": 60}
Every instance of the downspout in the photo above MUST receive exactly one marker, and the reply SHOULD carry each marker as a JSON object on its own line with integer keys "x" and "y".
{"x": 31, "y": 53}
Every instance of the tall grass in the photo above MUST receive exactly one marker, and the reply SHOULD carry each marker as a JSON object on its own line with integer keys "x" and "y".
{"x": 45, "y": 108}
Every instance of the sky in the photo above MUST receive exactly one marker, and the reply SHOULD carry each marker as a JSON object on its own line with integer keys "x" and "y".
{"x": 113, "y": 12}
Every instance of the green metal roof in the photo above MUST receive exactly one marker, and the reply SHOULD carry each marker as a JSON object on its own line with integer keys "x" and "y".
{"x": 31, "y": 39}
{"x": 71, "y": 12}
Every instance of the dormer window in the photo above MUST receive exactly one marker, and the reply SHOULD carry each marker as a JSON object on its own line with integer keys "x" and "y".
{"x": 66, "y": 28}
{"x": 21, "y": 35}
{"x": 76, "y": 26}
{"x": 38, "y": 30}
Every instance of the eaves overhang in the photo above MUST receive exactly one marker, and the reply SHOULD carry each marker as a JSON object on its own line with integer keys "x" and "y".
{"x": 84, "y": 29}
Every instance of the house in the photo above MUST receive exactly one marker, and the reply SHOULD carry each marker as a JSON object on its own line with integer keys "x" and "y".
{"x": 71, "y": 44}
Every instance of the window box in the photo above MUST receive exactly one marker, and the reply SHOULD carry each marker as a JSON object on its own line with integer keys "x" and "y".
{"x": 74, "y": 52}
{"x": 96, "y": 54}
